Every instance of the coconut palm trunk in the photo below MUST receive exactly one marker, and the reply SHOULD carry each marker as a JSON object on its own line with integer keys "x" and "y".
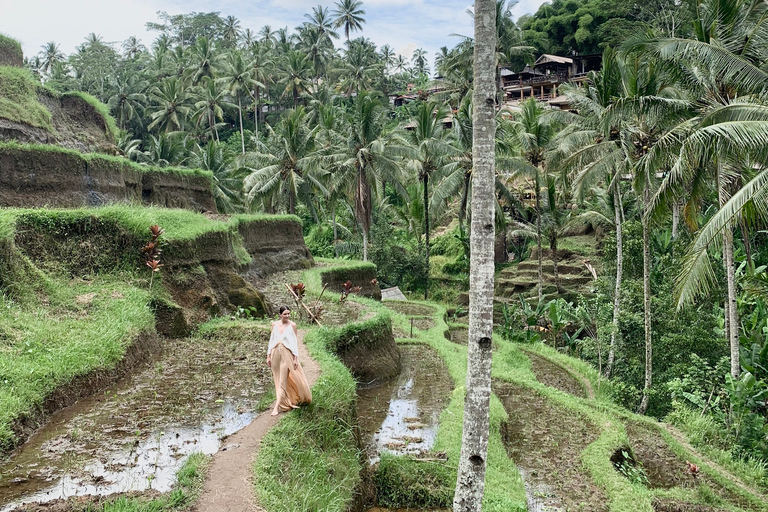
{"x": 335, "y": 233}
{"x": 732, "y": 314}
{"x": 553, "y": 248}
{"x": 470, "y": 485}
{"x": 426, "y": 233}
{"x": 538, "y": 241}
{"x": 617, "y": 209}
{"x": 256, "y": 112}
{"x": 675, "y": 217}
{"x": 240, "y": 111}
{"x": 647, "y": 300}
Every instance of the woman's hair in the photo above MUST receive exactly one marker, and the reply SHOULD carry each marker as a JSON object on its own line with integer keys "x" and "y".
{"x": 283, "y": 309}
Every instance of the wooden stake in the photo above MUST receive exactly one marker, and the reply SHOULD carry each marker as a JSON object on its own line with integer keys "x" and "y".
{"x": 298, "y": 301}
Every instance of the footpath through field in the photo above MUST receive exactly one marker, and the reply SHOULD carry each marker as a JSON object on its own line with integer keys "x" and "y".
{"x": 229, "y": 484}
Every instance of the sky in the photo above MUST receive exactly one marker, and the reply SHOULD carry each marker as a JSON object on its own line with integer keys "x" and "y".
{"x": 403, "y": 24}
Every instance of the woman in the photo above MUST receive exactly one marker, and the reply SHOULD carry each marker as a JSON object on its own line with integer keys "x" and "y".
{"x": 291, "y": 386}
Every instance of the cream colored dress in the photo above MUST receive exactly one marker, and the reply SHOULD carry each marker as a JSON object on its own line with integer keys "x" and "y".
{"x": 291, "y": 386}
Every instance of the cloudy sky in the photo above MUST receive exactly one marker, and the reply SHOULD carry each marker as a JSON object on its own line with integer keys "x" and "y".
{"x": 403, "y": 24}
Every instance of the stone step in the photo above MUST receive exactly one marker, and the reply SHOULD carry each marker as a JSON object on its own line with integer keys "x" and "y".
{"x": 547, "y": 266}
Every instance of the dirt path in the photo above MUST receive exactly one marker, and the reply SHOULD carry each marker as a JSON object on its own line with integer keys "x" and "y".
{"x": 683, "y": 440}
{"x": 229, "y": 485}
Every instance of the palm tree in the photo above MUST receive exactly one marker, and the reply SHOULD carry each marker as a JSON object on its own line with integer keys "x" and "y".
{"x": 172, "y": 103}
{"x": 400, "y": 65}
{"x": 532, "y": 132}
{"x": 420, "y": 61}
{"x": 227, "y": 177}
{"x": 470, "y": 485}
{"x": 594, "y": 151}
{"x": 210, "y": 105}
{"x": 286, "y": 166}
{"x": 238, "y": 79}
{"x": 648, "y": 111}
{"x": 127, "y": 104}
{"x": 387, "y": 54}
{"x": 204, "y": 61}
{"x": 427, "y": 137}
{"x": 372, "y": 155}
{"x": 349, "y": 15}
{"x": 231, "y": 31}
{"x": 358, "y": 70}
{"x": 168, "y": 149}
{"x": 50, "y": 55}
{"x": 296, "y": 70}
{"x": 727, "y": 50}
{"x": 262, "y": 75}
{"x": 132, "y": 47}
{"x": 321, "y": 21}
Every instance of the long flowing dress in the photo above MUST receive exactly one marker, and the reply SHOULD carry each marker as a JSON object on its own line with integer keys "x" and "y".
{"x": 291, "y": 385}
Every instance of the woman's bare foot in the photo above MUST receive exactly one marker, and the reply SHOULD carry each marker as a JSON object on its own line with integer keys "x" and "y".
{"x": 294, "y": 406}
{"x": 275, "y": 412}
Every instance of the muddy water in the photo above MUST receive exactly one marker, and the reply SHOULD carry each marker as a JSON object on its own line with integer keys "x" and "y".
{"x": 401, "y": 416}
{"x": 135, "y": 435}
{"x": 545, "y": 442}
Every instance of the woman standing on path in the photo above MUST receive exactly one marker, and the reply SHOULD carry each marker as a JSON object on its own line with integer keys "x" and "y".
{"x": 291, "y": 386}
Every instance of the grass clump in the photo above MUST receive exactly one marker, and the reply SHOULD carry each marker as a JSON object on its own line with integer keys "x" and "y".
{"x": 78, "y": 327}
{"x": 10, "y": 52}
{"x": 403, "y": 482}
{"x": 18, "y": 99}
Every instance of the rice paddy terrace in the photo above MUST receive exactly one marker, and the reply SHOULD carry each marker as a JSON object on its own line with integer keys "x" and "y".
{"x": 118, "y": 384}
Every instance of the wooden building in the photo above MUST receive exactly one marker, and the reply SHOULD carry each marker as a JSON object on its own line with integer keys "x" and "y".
{"x": 541, "y": 80}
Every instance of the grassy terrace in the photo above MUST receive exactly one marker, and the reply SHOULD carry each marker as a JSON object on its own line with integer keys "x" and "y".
{"x": 56, "y": 325}
{"x": 405, "y": 482}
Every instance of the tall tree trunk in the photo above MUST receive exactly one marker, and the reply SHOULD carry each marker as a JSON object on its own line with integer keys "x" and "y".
{"x": 335, "y": 233}
{"x": 647, "y": 300}
{"x": 675, "y": 217}
{"x": 240, "y": 110}
{"x": 538, "y": 240}
{"x": 291, "y": 201}
{"x": 464, "y": 199}
{"x": 732, "y": 324}
{"x": 470, "y": 485}
{"x": 365, "y": 245}
{"x": 553, "y": 248}
{"x": 256, "y": 111}
{"x": 426, "y": 232}
{"x": 617, "y": 287}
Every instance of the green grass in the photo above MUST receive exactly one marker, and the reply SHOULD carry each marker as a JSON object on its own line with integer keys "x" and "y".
{"x": 49, "y": 342}
{"x": 18, "y": 99}
{"x": 10, "y": 47}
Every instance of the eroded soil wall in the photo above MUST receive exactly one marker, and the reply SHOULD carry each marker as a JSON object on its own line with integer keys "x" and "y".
{"x": 36, "y": 177}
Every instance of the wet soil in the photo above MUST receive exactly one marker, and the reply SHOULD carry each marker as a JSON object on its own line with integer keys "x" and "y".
{"x": 670, "y": 505}
{"x": 555, "y": 376}
{"x": 662, "y": 467}
{"x": 458, "y": 335}
{"x": 136, "y": 434}
{"x": 545, "y": 442}
{"x": 408, "y": 308}
{"x": 424, "y": 324}
{"x": 402, "y": 415}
